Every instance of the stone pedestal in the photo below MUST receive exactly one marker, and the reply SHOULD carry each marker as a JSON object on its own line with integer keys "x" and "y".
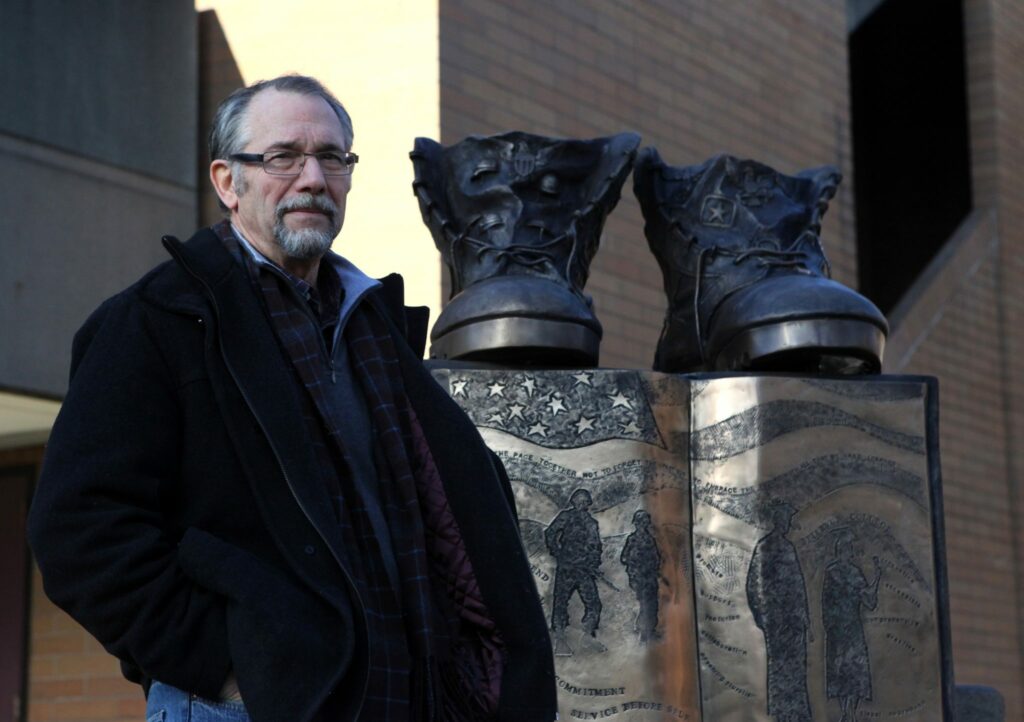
{"x": 729, "y": 548}
{"x": 975, "y": 703}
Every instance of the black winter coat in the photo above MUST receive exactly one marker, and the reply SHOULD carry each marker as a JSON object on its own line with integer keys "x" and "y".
{"x": 180, "y": 518}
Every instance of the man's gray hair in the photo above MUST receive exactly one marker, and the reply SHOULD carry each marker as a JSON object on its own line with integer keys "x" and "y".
{"x": 227, "y": 134}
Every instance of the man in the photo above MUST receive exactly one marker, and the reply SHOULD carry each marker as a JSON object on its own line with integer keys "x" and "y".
{"x": 844, "y": 593}
{"x": 777, "y": 596}
{"x": 574, "y": 541}
{"x": 255, "y": 495}
{"x": 642, "y": 559}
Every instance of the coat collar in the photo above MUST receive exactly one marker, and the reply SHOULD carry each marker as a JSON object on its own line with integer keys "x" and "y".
{"x": 210, "y": 266}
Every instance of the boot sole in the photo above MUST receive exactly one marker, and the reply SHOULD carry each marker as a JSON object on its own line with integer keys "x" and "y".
{"x": 553, "y": 343}
{"x": 841, "y": 346}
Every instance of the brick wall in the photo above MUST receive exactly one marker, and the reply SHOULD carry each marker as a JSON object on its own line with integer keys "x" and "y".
{"x": 765, "y": 79}
{"x": 965, "y": 325}
{"x": 1007, "y": 52}
{"x": 71, "y": 677}
{"x": 951, "y": 331}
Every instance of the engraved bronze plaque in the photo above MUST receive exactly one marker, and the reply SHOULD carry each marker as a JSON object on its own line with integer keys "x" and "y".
{"x": 728, "y": 547}
{"x": 816, "y": 523}
{"x": 598, "y": 464}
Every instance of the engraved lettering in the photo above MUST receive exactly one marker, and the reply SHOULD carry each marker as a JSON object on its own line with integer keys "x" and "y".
{"x": 715, "y": 598}
{"x": 677, "y": 713}
{"x": 723, "y": 679}
{"x": 907, "y": 710}
{"x": 902, "y": 595}
{"x": 602, "y": 714}
{"x": 720, "y": 644}
{"x": 588, "y": 691}
{"x": 894, "y": 620}
{"x": 901, "y": 643}
{"x": 644, "y": 705}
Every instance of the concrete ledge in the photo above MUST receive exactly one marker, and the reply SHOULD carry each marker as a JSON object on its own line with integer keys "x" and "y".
{"x": 975, "y": 703}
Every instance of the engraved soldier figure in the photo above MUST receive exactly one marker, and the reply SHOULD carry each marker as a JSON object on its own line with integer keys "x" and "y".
{"x": 642, "y": 560}
{"x": 777, "y": 596}
{"x": 845, "y": 592}
{"x": 575, "y": 543}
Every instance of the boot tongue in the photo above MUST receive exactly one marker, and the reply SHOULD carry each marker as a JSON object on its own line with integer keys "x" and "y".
{"x": 548, "y": 178}
{"x": 518, "y": 194}
{"x": 741, "y": 205}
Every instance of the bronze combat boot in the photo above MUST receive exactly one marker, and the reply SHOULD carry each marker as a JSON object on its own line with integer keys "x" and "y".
{"x": 517, "y": 219}
{"x": 747, "y": 280}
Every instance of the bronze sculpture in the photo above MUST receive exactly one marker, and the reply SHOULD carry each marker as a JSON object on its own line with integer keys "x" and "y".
{"x": 660, "y": 512}
{"x": 747, "y": 279}
{"x": 517, "y": 219}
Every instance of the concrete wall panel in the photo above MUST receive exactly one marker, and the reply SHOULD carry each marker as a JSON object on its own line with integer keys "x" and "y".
{"x": 72, "y": 232}
{"x": 112, "y": 80}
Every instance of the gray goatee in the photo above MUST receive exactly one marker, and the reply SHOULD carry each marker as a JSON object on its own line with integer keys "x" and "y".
{"x": 306, "y": 243}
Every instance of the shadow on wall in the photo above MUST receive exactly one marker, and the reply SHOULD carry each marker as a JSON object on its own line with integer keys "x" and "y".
{"x": 218, "y": 76}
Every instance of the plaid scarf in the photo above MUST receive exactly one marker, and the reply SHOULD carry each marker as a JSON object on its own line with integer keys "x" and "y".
{"x": 462, "y": 661}
{"x": 435, "y": 653}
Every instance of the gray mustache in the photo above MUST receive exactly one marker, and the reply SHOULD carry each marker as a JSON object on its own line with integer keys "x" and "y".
{"x": 305, "y": 202}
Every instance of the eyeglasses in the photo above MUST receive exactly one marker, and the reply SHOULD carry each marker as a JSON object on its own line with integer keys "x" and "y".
{"x": 291, "y": 162}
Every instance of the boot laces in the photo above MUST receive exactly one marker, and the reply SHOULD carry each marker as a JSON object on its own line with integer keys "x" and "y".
{"x": 521, "y": 254}
{"x": 765, "y": 257}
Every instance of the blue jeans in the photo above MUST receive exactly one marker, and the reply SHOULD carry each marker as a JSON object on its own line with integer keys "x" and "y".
{"x": 170, "y": 704}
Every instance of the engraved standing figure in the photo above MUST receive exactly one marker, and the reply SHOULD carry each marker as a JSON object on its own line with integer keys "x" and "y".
{"x": 642, "y": 560}
{"x": 844, "y": 593}
{"x": 575, "y": 542}
{"x": 777, "y": 596}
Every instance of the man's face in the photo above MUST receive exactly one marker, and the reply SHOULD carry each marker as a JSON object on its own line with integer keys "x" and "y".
{"x": 581, "y": 501}
{"x": 289, "y": 217}
{"x": 783, "y": 520}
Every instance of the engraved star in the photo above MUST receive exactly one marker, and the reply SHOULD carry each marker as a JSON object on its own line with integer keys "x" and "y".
{"x": 515, "y": 411}
{"x": 539, "y": 429}
{"x": 619, "y": 400}
{"x": 556, "y": 405}
{"x": 584, "y": 424}
{"x": 630, "y": 428}
{"x": 496, "y": 389}
{"x": 582, "y": 378}
{"x": 530, "y": 386}
{"x": 459, "y": 388}
{"x": 495, "y": 418}
{"x": 716, "y": 212}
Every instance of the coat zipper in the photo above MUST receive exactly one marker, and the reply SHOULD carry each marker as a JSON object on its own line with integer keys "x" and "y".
{"x": 280, "y": 465}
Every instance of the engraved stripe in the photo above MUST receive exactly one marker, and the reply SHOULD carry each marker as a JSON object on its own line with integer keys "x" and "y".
{"x": 758, "y": 425}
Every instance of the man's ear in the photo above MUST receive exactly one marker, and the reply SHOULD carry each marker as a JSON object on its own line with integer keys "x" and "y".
{"x": 223, "y": 183}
